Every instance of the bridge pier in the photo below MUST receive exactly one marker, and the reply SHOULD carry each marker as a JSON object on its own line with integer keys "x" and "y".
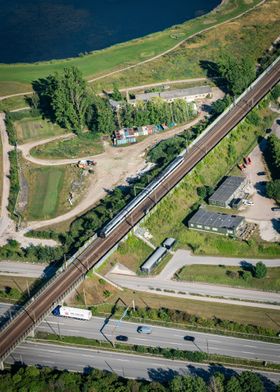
{"x": 1, "y": 365}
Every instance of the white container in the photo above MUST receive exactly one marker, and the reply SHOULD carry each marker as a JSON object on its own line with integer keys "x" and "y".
{"x": 81, "y": 314}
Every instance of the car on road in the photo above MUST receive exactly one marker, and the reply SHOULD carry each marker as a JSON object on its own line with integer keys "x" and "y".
{"x": 122, "y": 338}
{"x": 275, "y": 208}
{"x": 261, "y": 173}
{"x": 144, "y": 329}
{"x": 189, "y": 338}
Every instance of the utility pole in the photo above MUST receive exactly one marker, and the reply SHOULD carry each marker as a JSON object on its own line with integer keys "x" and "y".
{"x": 84, "y": 297}
{"x": 28, "y": 291}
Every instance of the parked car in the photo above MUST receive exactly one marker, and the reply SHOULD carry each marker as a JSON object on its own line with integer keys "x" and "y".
{"x": 275, "y": 208}
{"x": 248, "y": 202}
{"x": 261, "y": 173}
{"x": 122, "y": 338}
{"x": 143, "y": 329}
{"x": 189, "y": 338}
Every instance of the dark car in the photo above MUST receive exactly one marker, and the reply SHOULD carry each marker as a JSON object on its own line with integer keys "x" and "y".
{"x": 122, "y": 338}
{"x": 261, "y": 173}
{"x": 189, "y": 338}
{"x": 275, "y": 209}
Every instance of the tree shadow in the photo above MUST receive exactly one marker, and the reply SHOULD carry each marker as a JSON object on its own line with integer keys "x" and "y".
{"x": 213, "y": 73}
{"x": 161, "y": 374}
{"x": 276, "y": 224}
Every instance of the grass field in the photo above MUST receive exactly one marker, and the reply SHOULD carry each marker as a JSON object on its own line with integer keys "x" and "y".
{"x": 170, "y": 221}
{"x": 12, "y": 103}
{"x": 29, "y": 129}
{"x": 220, "y": 275}
{"x": 48, "y": 189}
{"x": 1, "y": 172}
{"x": 131, "y": 253}
{"x": 15, "y": 282}
{"x": 85, "y": 145}
{"x": 248, "y": 36}
{"x": 17, "y": 77}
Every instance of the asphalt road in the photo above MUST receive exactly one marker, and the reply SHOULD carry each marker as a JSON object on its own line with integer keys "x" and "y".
{"x": 125, "y": 365}
{"x": 21, "y": 269}
{"x": 161, "y": 337}
{"x": 146, "y": 284}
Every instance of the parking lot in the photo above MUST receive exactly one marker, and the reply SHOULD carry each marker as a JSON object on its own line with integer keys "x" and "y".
{"x": 261, "y": 211}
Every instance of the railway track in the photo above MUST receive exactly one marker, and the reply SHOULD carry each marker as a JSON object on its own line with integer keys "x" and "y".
{"x": 23, "y": 323}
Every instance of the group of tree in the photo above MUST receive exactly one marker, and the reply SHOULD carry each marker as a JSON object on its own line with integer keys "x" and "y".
{"x": 67, "y": 99}
{"x": 22, "y": 378}
{"x": 272, "y": 154}
{"x": 155, "y": 111}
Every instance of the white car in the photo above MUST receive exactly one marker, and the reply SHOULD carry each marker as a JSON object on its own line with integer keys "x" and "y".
{"x": 248, "y": 202}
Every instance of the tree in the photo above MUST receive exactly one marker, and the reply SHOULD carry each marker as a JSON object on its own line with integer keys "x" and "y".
{"x": 238, "y": 73}
{"x": 221, "y": 104}
{"x": 260, "y": 270}
{"x": 250, "y": 382}
{"x": 116, "y": 94}
{"x": 246, "y": 276}
{"x": 100, "y": 117}
{"x": 233, "y": 385}
{"x": 70, "y": 99}
{"x": 273, "y": 190}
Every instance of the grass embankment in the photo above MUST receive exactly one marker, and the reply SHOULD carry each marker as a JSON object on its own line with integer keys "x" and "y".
{"x": 94, "y": 289}
{"x": 87, "y": 144}
{"x": 192, "y": 356}
{"x": 49, "y": 188}
{"x": 169, "y": 220}
{"x": 13, "y": 287}
{"x": 230, "y": 276}
{"x": 132, "y": 253}
{"x": 17, "y": 77}
{"x": 12, "y": 103}
{"x": 31, "y": 129}
{"x": 250, "y": 35}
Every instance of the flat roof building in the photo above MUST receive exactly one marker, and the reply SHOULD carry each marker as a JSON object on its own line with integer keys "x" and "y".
{"x": 189, "y": 94}
{"x": 153, "y": 260}
{"x": 227, "y": 191}
{"x": 217, "y": 223}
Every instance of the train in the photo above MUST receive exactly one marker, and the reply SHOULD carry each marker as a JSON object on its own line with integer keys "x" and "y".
{"x": 76, "y": 313}
{"x": 121, "y": 216}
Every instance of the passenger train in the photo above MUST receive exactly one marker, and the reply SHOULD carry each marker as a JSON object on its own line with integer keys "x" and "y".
{"x": 121, "y": 216}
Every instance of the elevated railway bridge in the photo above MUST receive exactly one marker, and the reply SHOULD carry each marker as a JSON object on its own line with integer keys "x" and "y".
{"x": 38, "y": 307}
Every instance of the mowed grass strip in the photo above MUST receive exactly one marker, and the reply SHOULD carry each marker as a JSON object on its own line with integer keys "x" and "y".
{"x": 44, "y": 195}
{"x": 29, "y": 129}
{"x": 118, "y": 56}
{"x": 230, "y": 276}
{"x": 131, "y": 253}
{"x": 13, "y": 103}
{"x": 87, "y": 144}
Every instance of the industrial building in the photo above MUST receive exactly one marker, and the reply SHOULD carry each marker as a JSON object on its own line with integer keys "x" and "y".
{"x": 188, "y": 94}
{"x": 153, "y": 260}
{"x": 229, "y": 225}
{"x": 232, "y": 188}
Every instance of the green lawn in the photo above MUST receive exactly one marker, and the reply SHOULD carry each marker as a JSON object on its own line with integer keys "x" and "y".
{"x": 1, "y": 172}
{"x": 131, "y": 253}
{"x": 13, "y": 103}
{"x": 220, "y": 275}
{"x": 48, "y": 189}
{"x": 16, "y": 77}
{"x": 29, "y": 129}
{"x": 85, "y": 145}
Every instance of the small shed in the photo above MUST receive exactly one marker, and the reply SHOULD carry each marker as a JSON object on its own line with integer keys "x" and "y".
{"x": 153, "y": 260}
{"x": 169, "y": 242}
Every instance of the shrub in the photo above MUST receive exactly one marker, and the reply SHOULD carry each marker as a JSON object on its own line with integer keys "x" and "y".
{"x": 260, "y": 270}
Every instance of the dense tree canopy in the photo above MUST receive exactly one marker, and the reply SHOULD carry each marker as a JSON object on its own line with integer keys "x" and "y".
{"x": 238, "y": 73}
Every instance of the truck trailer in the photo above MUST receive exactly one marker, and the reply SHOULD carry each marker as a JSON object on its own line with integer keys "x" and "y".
{"x": 66, "y": 311}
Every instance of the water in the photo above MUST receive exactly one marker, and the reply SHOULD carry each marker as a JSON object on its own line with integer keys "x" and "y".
{"x": 34, "y": 30}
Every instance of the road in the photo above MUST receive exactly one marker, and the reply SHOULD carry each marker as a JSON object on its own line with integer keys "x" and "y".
{"x": 67, "y": 280}
{"x": 21, "y": 269}
{"x": 183, "y": 257}
{"x": 125, "y": 365}
{"x": 145, "y": 284}
{"x": 160, "y": 337}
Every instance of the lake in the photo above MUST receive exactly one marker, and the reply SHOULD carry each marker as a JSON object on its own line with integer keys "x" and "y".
{"x": 34, "y": 30}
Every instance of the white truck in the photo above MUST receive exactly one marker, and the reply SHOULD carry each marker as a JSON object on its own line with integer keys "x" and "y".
{"x": 76, "y": 313}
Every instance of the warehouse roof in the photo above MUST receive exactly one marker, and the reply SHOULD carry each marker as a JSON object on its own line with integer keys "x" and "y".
{"x": 180, "y": 93}
{"x": 154, "y": 258}
{"x": 227, "y": 189}
{"x": 214, "y": 219}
